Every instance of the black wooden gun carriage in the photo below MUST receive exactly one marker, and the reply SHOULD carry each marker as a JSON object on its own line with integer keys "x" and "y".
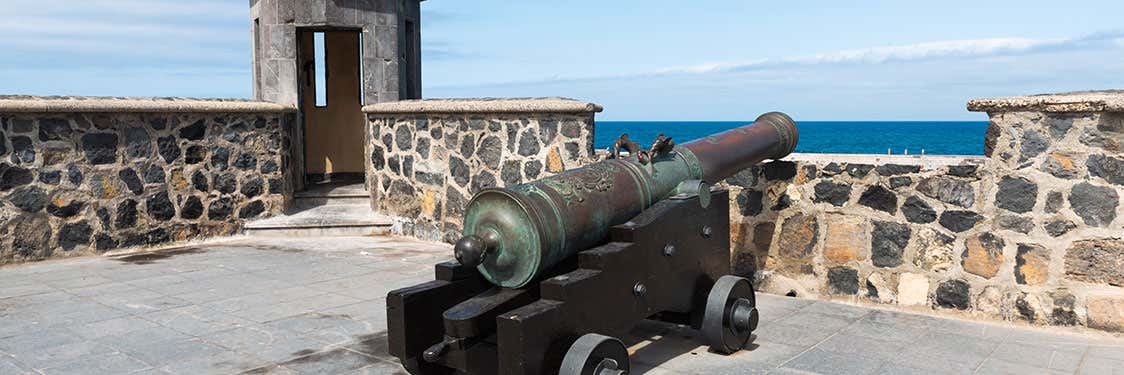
{"x": 550, "y": 272}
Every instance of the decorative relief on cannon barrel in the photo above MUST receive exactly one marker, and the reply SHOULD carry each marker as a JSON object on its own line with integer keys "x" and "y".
{"x": 575, "y": 185}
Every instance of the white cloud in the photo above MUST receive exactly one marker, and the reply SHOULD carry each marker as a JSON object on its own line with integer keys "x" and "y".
{"x": 962, "y": 49}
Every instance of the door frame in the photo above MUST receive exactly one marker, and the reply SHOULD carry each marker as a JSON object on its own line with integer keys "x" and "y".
{"x": 302, "y": 90}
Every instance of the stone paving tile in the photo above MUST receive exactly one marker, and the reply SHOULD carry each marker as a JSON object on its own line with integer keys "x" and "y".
{"x": 267, "y": 343}
{"x": 999, "y": 366}
{"x": 824, "y": 362}
{"x": 114, "y": 363}
{"x": 297, "y": 306}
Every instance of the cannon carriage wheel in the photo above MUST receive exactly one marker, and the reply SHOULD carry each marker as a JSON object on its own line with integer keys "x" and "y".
{"x": 595, "y": 354}
{"x": 731, "y": 314}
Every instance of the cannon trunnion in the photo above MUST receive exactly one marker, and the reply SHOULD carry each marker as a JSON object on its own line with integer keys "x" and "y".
{"x": 667, "y": 263}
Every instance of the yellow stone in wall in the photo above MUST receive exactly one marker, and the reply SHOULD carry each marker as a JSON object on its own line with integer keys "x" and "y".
{"x": 178, "y": 181}
{"x": 429, "y": 204}
{"x": 554, "y": 161}
{"x": 983, "y": 255}
{"x": 845, "y": 239}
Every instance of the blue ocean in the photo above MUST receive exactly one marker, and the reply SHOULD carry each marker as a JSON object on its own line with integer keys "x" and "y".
{"x": 837, "y": 137}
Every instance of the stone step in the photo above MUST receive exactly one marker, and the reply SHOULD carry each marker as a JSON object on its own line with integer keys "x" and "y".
{"x": 323, "y": 221}
{"x": 332, "y": 195}
{"x": 310, "y": 202}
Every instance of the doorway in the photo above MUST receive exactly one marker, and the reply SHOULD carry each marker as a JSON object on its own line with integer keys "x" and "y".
{"x": 331, "y": 103}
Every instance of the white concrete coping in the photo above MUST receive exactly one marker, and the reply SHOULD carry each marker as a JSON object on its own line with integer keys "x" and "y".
{"x": 485, "y": 105}
{"x": 925, "y": 161}
{"x": 49, "y": 104}
{"x": 1079, "y": 101}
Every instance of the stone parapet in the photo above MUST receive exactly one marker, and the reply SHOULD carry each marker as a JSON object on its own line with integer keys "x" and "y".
{"x": 485, "y": 106}
{"x": 1072, "y": 102}
{"x": 87, "y": 180}
{"x": 1032, "y": 231}
{"x": 427, "y": 158}
{"x": 94, "y": 104}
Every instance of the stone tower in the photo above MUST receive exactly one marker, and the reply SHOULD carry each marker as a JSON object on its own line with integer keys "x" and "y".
{"x": 389, "y": 53}
{"x": 327, "y": 59}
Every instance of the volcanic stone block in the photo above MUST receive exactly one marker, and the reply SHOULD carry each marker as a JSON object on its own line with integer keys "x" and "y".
{"x": 131, "y": 180}
{"x": 138, "y": 144}
{"x": 846, "y": 238}
{"x": 1054, "y": 202}
{"x": 917, "y": 211}
{"x": 34, "y": 239}
{"x": 1059, "y": 227}
{"x": 983, "y": 254}
{"x": 528, "y": 144}
{"x": 194, "y": 155}
{"x": 12, "y": 176}
{"x": 100, "y": 148}
{"x": 1016, "y": 194}
{"x": 160, "y": 207}
{"x": 481, "y": 181}
{"x": 1060, "y": 165}
{"x": 897, "y": 169}
{"x": 460, "y": 171}
{"x": 154, "y": 175}
{"x": 1096, "y": 205}
{"x": 29, "y": 199}
{"x": 1015, "y": 223}
{"x": 220, "y": 158}
{"x": 378, "y": 159}
{"x": 510, "y": 173}
{"x": 952, "y": 294}
{"x": 1033, "y": 144}
{"x": 879, "y": 198}
{"x": 962, "y": 170}
{"x": 73, "y": 235}
{"x": 900, "y": 181}
{"x": 169, "y": 148}
{"x": 126, "y": 214}
{"x": 887, "y": 243}
{"x": 859, "y": 170}
{"x": 192, "y": 208}
{"x": 1032, "y": 264}
{"x": 532, "y": 169}
{"x": 50, "y": 177}
{"x": 799, "y": 235}
{"x": 1109, "y": 168}
{"x": 246, "y": 162}
{"x": 54, "y": 129}
{"x": 63, "y": 208}
{"x": 251, "y": 210}
{"x": 948, "y": 190}
{"x": 194, "y": 132}
{"x": 220, "y": 209}
{"x": 1096, "y": 261}
{"x": 746, "y": 178}
{"x": 843, "y": 280}
{"x": 749, "y": 202}
{"x": 491, "y": 151}
{"x": 835, "y": 193}
{"x": 404, "y": 137}
{"x": 779, "y": 170}
{"x": 959, "y": 221}
{"x": 23, "y": 151}
{"x": 199, "y": 181}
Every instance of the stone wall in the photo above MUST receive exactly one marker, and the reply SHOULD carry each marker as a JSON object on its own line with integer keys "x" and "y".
{"x": 428, "y": 157}
{"x": 88, "y": 175}
{"x": 1032, "y": 232}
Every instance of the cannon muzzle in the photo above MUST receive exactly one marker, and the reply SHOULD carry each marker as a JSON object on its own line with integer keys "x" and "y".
{"x": 513, "y": 234}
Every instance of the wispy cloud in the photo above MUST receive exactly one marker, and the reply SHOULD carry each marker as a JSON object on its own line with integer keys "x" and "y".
{"x": 958, "y": 49}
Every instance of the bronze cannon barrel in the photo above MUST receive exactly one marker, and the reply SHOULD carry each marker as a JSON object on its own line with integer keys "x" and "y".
{"x": 513, "y": 234}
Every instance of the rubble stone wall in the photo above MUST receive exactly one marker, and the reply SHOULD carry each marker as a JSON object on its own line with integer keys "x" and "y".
{"x": 427, "y": 158}
{"x": 1034, "y": 231}
{"x": 84, "y": 177}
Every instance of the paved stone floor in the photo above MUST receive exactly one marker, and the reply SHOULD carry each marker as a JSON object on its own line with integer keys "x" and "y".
{"x": 315, "y": 305}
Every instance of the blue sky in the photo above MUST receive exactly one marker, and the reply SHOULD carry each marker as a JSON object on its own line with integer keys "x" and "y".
{"x": 642, "y": 60}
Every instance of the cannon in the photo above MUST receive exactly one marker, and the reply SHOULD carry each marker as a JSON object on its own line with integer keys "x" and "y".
{"x": 549, "y": 273}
